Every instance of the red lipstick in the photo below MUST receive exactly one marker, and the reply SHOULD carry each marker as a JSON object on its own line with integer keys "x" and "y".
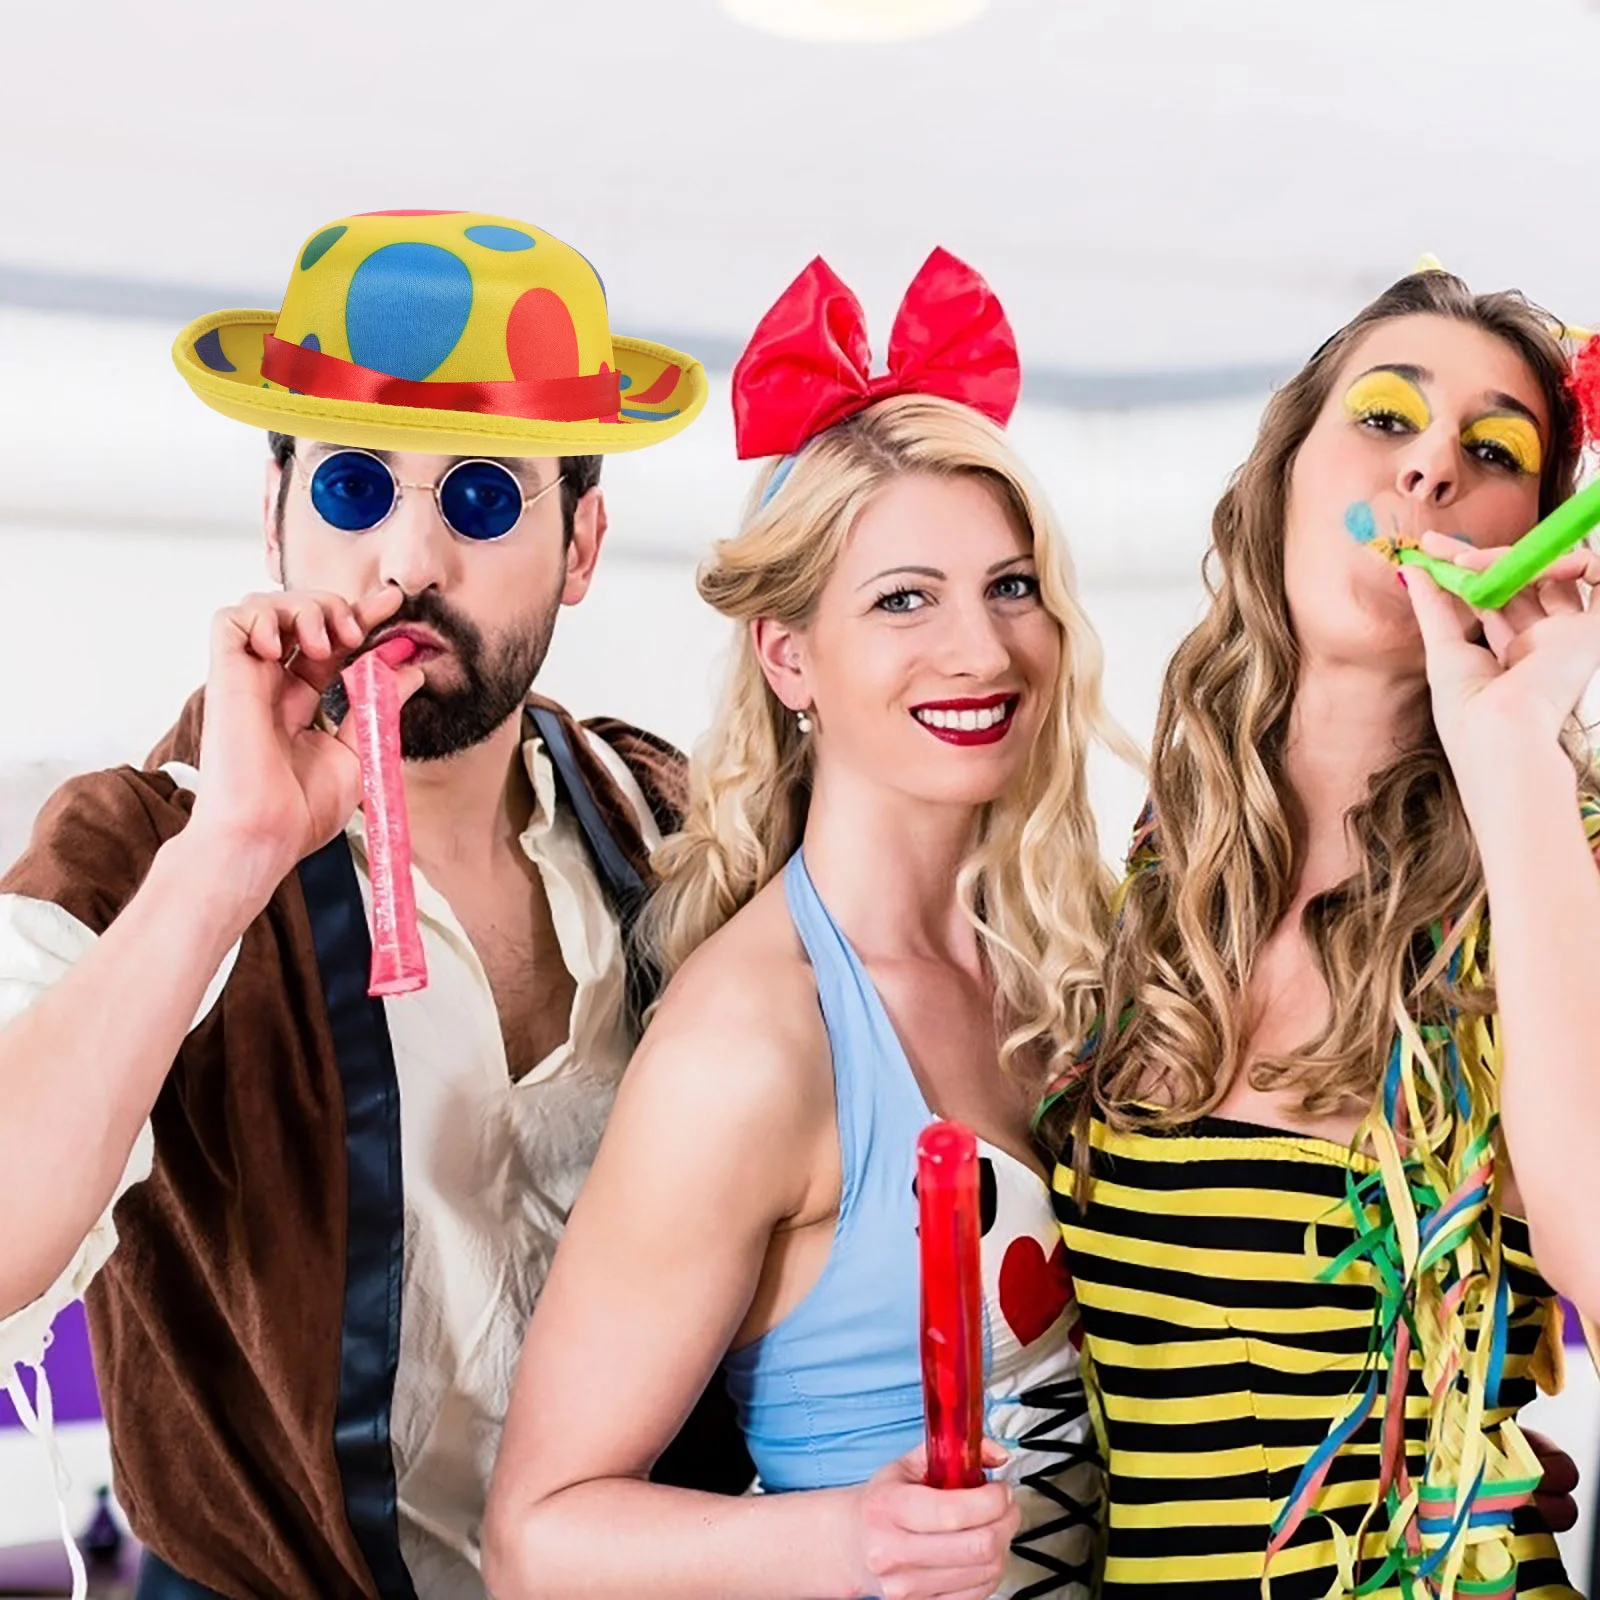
{"x": 980, "y": 720}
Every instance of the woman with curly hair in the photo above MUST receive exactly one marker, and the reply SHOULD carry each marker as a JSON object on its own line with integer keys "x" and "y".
{"x": 1332, "y": 1152}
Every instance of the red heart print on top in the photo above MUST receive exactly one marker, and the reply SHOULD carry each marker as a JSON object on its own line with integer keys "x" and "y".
{"x": 1034, "y": 1291}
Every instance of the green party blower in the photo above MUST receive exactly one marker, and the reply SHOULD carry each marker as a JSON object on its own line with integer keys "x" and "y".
{"x": 1542, "y": 545}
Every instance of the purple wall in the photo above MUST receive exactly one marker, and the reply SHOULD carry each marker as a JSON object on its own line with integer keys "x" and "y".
{"x": 1573, "y": 1331}
{"x": 70, "y": 1372}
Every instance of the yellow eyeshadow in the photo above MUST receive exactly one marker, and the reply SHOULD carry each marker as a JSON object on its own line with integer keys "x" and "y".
{"x": 1516, "y": 435}
{"x": 1387, "y": 393}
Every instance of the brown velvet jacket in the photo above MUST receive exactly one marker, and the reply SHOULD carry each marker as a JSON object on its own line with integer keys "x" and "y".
{"x": 216, "y": 1324}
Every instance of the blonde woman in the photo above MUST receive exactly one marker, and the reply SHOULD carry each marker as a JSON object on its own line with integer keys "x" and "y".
{"x": 886, "y": 900}
{"x": 1329, "y": 1158}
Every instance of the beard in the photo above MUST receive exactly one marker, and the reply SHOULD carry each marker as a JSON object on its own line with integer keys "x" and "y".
{"x": 497, "y": 675}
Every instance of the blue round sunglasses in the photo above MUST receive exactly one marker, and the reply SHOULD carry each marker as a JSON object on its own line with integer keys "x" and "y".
{"x": 480, "y": 500}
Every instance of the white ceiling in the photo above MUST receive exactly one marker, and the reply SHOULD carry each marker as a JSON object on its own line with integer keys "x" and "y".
{"x": 1152, "y": 185}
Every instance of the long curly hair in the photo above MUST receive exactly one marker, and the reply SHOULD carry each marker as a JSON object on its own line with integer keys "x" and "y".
{"x": 1224, "y": 834}
{"x": 1034, "y": 886}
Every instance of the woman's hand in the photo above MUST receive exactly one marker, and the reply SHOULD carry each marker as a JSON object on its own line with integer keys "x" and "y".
{"x": 1500, "y": 706}
{"x": 917, "y": 1543}
{"x": 1505, "y": 682}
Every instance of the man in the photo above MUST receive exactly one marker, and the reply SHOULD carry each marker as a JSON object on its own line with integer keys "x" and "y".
{"x": 310, "y": 1226}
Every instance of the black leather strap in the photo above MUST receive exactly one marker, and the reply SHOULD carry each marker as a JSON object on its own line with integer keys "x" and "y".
{"x": 709, "y": 1451}
{"x": 624, "y": 886}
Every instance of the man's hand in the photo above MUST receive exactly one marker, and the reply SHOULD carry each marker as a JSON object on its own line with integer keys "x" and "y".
{"x": 273, "y": 786}
{"x": 1553, "y": 1497}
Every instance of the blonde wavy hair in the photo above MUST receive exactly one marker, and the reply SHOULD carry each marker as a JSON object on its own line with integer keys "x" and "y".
{"x": 1218, "y": 875}
{"x": 1034, "y": 886}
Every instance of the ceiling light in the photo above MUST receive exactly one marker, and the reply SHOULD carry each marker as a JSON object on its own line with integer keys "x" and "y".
{"x": 850, "y": 21}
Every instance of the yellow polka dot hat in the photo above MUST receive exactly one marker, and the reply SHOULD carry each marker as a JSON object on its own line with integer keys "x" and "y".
{"x": 450, "y": 332}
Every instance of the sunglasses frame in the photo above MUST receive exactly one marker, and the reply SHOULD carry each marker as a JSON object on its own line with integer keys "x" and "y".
{"x": 307, "y": 472}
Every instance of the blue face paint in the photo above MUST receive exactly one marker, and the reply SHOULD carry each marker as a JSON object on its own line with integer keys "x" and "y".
{"x": 1360, "y": 523}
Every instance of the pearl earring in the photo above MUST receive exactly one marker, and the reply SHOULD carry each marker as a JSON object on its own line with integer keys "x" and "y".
{"x": 803, "y": 718}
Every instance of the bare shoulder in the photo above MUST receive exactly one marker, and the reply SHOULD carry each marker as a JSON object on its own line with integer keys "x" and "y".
{"x": 739, "y": 1025}
{"x": 749, "y": 987}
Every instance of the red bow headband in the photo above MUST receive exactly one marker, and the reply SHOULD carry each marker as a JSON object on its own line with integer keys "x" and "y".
{"x": 808, "y": 364}
{"x": 1585, "y": 383}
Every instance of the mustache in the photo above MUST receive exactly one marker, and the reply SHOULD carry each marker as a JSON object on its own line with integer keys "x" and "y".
{"x": 431, "y": 610}
{"x": 425, "y": 610}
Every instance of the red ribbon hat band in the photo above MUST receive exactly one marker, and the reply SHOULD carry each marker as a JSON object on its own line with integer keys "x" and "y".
{"x": 313, "y": 372}
{"x": 808, "y": 364}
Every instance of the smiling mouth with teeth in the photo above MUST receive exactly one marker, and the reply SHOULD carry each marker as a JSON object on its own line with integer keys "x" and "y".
{"x": 968, "y": 722}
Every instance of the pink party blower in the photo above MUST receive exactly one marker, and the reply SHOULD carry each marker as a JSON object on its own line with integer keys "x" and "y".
{"x": 398, "y": 964}
{"x": 952, "y": 1305}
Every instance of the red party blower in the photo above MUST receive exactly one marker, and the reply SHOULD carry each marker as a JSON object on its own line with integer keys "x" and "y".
{"x": 398, "y": 964}
{"x": 952, "y": 1305}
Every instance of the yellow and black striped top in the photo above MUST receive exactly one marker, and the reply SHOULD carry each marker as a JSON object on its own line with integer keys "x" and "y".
{"x": 1217, "y": 1362}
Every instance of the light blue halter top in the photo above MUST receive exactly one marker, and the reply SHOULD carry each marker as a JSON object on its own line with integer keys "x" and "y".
{"x": 835, "y": 1390}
